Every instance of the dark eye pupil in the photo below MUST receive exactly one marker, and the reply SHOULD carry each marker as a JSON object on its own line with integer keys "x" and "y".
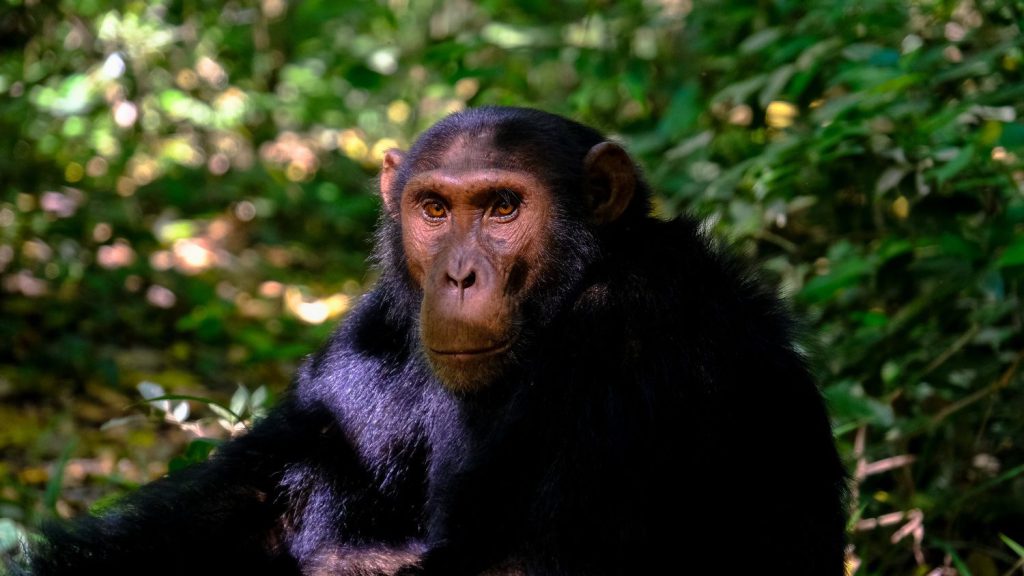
{"x": 505, "y": 206}
{"x": 434, "y": 209}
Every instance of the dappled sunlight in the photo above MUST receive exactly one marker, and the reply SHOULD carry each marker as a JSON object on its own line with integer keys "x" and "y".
{"x": 296, "y": 154}
{"x": 23, "y": 282}
{"x": 193, "y": 255}
{"x": 314, "y": 310}
{"x": 116, "y": 255}
{"x": 780, "y": 114}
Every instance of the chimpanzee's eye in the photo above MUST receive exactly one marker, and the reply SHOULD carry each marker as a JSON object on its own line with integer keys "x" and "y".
{"x": 434, "y": 210}
{"x": 506, "y": 206}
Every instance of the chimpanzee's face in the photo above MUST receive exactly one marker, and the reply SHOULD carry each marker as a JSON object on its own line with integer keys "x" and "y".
{"x": 478, "y": 229}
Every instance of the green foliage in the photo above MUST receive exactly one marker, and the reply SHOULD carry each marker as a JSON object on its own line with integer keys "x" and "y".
{"x": 186, "y": 198}
{"x": 197, "y": 451}
{"x": 1017, "y": 548}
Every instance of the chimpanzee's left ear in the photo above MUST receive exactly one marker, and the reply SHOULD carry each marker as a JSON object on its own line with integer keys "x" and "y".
{"x": 389, "y": 170}
{"x": 611, "y": 181}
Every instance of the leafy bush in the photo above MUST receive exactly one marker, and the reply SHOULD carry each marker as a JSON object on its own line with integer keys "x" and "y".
{"x": 187, "y": 196}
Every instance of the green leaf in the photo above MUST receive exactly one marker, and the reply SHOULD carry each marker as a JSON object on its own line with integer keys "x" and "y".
{"x": 196, "y": 452}
{"x": 224, "y": 413}
{"x": 1017, "y": 548}
{"x": 1012, "y": 135}
{"x": 955, "y": 166}
{"x": 860, "y": 52}
{"x": 844, "y": 275}
{"x": 259, "y": 398}
{"x": 776, "y": 84}
{"x": 239, "y": 400}
{"x": 760, "y": 40}
{"x": 847, "y": 402}
{"x": 1013, "y": 255}
{"x": 682, "y": 113}
{"x": 741, "y": 91}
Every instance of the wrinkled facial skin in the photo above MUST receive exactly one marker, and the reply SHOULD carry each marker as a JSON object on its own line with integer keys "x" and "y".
{"x": 478, "y": 238}
{"x": 474, "y": 237}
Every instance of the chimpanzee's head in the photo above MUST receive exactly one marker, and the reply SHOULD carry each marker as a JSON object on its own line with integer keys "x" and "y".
{"x": 491, "y": 219}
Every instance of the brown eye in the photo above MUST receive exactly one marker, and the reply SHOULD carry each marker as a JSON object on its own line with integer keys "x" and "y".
{"x": 434, "y": 210}
{"x": 506, "y": 206}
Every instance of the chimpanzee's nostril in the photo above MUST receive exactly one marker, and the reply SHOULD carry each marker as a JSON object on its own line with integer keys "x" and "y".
{"x": 461, "y": 281}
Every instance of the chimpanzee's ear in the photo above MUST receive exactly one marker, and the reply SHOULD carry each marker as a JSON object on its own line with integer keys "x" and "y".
{"x": 611, "y": 181}
{"x": 389, "y": 170}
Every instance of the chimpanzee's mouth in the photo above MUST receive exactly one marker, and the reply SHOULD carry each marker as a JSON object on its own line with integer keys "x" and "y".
{"x": 471, "y": 352}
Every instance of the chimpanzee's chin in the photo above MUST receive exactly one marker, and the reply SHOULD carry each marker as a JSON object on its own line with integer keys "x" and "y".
{"x": 467, "y": 373}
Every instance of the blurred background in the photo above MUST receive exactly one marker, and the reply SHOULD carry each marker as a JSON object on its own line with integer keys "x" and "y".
{"x": 187, "y": 200}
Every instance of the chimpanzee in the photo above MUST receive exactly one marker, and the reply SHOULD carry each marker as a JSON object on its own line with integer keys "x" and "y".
{"x": 545, "y": 380}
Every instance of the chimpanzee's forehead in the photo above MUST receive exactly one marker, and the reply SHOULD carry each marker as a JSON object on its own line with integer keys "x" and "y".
{"x": 474, "y": 151}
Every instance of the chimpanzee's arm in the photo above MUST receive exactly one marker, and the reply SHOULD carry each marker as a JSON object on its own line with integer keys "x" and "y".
{"x": 226, "y": 515}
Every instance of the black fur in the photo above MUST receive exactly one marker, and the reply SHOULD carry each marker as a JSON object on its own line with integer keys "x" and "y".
{"x": 658, "y": 420}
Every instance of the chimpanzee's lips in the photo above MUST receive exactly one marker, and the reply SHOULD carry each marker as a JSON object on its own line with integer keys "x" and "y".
{"x": 469, "y": 352}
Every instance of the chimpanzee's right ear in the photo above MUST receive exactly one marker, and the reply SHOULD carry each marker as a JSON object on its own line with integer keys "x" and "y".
{"x": 611, "y": 181}
{"x": 389, "y": 171}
